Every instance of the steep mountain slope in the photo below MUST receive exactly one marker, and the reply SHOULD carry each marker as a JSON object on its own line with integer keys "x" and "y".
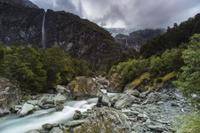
{"x": 138, "y": 38}
{"x": 81, "y": 38}
{"x": 24, "y": 3}
{"x": 174, "y": 37}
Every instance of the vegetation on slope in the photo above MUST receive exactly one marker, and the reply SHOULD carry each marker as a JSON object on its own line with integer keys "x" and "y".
{"x": 38, "y": 70}
{"x": 189, "y": 82}
{"x": 173, "y": 38}
{"x": 152, "y": 70}
{"x": 189, "y": 78}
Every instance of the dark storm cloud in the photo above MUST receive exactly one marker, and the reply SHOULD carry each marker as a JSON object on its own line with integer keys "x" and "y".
{"x": 130, "y": 13}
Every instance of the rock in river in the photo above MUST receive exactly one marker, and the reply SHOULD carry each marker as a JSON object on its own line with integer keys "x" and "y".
{"x": 26, "y": 109}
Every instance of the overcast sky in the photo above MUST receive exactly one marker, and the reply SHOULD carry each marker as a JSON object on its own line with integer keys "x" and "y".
{"x": 127, "y": 13}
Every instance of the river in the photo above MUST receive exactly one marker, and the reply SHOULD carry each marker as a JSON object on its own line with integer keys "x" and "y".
{"x": 16, "y": 124}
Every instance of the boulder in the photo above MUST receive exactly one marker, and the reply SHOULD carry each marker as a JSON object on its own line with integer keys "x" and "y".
{"x": 62, "y": 89}
{"x": 4, "y": 111}
{"x": 48, "y": 126}
{"x": 126, "y": 100}
{"x": 155, "y": 97}
{"x": 33, "y": 102}
{"x": 135, "y": 93}
{"x": 56, "y": 130}
{"x": 82, "y": 87}
{"x": 16, "y": 108}
{"x": 104, "y": 100}
{"x": 46, "y": 101}
{"x": 77, "y": 115}
{"x": 59, "y": 98}
{"x": 26, "y": 109}
{"x": 75, "y": 123}
{"x": 59, "y": 107}
{"x": 10, "y": 95}
{"x": 114, "y": 99}
{"x": 102, "y": 80}
{"x": 157, "y": 128}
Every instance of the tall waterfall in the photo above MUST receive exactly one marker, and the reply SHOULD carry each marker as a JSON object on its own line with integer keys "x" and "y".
{"x": 43, "y": 31}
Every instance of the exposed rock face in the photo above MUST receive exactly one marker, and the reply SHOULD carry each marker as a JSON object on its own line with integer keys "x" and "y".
{"x": 79, "y": 37}
{"x": 138, "y": 38}
{"x": 20, "y": 25}
{"x": 9, "y": 95}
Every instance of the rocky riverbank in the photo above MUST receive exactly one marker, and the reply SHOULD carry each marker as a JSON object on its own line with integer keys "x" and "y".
{"x": 128, "y": 112}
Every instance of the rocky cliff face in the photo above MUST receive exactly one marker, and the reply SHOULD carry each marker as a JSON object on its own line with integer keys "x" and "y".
{"x": 81, "y": 38}
{"x": 138, "y": 38}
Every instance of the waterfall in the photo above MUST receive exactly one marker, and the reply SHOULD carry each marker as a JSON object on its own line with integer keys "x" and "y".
{"x": 43, "y": 31}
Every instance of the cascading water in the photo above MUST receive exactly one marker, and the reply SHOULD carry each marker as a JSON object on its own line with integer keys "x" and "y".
{"x": 15, "y": 124}
{"x": 43, "y": 31}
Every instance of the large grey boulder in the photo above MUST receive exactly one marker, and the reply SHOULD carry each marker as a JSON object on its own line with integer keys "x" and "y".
{"x": 10, "y": 95}
{"x": 135, "y": 93}
{"x": 26, "y": 109}
{"x": 82, "y": 87}
{"x": 75, "y": 123}
{"x": 59, "y": 98}
{"x": 59, "y": 107}
{"x": 155, "y": 97}
{"x": 4, "y": 111}
{"x": 126, "y": 100}
{"x": 49, "y": 126}
{"x": 157, "y": 128}
{"x": 46, "y": 101}
{"x": 77, "y": 115}
{"x": 62, "y": 90}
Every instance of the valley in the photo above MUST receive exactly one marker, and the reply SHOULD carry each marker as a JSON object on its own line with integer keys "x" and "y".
{"x": 63, "y": 73}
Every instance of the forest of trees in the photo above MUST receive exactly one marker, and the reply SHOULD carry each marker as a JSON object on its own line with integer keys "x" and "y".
{"x": 38, "y": 70}
{"x": 173, "y": 38}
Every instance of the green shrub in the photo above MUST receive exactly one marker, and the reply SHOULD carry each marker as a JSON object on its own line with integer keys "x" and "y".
{"x": 189, "y": 79}
{"x": 189, "y": 124}
{"x": 129, "y": 70}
